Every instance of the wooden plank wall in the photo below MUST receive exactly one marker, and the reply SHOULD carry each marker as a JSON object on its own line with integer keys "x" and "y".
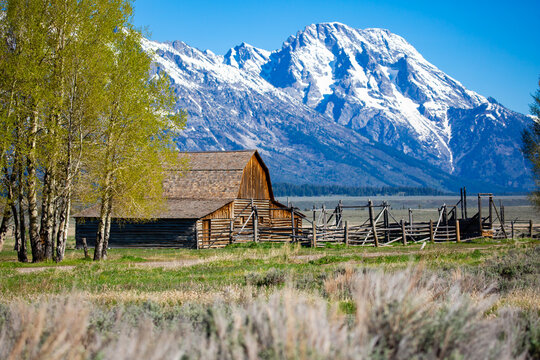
{"x": 274, "y": 225}
{"x": 255, "y": 183}
{"x": 171, "y": 233}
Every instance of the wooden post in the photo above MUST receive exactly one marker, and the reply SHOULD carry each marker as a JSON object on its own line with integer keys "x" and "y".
{"x": 85, "y": 247}
{"x": 491, "y": 211}
{"x": 231, "y": 230}
{"x": 346, "y": 234}
{"x": 530, "y": 229}
{"x": 386, "y": 223}
{"x": 314, "y": 239}
{"x": 293, "y": 238}
{"x": 458, "y": 234}
{"x": 446, "y": 222}
{"x": 480, "y": 214}
{"x": 403, "y": 234}
{"x": 462, "y": 202}
{"x": 410, "y": 220}
{"x": 339, "y": 217}
{"x": 431, "y": 235}
{"x": 255, "y": 224}
{"x": 465, "y": 200}
{"x": 512, "y": 224}
{"x": 324, "y": 221}
{"x": 372, "y": 222}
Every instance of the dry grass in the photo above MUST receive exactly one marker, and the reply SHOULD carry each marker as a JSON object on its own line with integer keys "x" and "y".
{"x": 398, "y": 315}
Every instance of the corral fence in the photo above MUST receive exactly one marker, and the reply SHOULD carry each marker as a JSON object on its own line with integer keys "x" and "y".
{"x": 381, "y": 227}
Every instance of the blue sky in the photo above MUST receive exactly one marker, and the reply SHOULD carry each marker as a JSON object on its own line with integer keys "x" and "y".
{"x": 492, "y": 47}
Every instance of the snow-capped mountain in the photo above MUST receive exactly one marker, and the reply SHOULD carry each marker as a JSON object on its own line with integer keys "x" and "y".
{"x": 348, "y": 106}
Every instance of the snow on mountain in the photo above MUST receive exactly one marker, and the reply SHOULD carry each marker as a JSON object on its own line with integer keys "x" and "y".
{"x": 343, "y": 105}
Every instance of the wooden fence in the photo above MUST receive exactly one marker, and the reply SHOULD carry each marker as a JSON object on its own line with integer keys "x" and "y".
{"x": 380, "y": 228}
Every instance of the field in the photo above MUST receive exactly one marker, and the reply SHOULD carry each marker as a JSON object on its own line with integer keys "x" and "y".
{"x": 424, "y": 207}
{"x": 471, "y": 300}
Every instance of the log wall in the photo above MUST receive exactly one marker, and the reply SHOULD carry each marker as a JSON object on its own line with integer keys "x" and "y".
{"x": 171, "y": 233}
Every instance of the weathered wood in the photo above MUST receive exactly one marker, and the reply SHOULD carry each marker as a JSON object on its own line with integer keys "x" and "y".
{"x": 346, "y": 234}
{"x": 480, "y": 227}
{"x": 314, "y": 238}
{"x": 530, "y": 228}
{"x": 491, "y": 211}
{"x": 458, "y": 234}
{"x": 255, "y": 225}
{"x": 431, "y": 235}
{"x": 403, "y": 233}
{"x": 372, "y": 223}
{"x": 512, "y": 224}
{"x": 386, "y": 222}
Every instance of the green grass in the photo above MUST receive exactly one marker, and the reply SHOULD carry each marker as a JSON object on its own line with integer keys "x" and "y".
{"x": 237, "y": 265}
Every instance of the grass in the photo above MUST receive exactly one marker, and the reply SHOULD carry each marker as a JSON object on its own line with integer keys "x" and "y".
{"x": 468, "y": 300}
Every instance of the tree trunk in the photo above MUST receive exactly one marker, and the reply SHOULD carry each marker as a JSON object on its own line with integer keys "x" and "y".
{"x": 5, "y": 220}
{"x": 47, "y": 214}
{"x": 63, "y": 226}
{"x": 107, "y": 230}
{"x": 38, "y": 247}
{"x": 16, "y": 233}
{"x": 21, "y": 252}
{"x": 100, "y": 238}
{"x": 21, "y": 249}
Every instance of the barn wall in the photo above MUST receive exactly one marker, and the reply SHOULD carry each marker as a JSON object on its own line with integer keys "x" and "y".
{"x": 173, "y": 233}
{"x": 255, "y": 183}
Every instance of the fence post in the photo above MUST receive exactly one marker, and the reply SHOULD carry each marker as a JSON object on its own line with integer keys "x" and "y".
{"x": 480, "y": 214}
{"x": 491, "y": 211}
{"x": 403, "y": 234}
{"x": 386, "y": 223}
{"x": 293, "y": 238}
{"x": 431, "y": 235}
{"x": 530, "y": 229}
{"x": 372, "y": 222}
{"x": 231, "y": 230}
{"x": 446, "y": 222}
{"x": 458, "y": 234}
{"x": 314, "y": 239}
{"x": 255, "y": 225}
{"x": 512, "y": 225}
{"x": 346, "y": 234}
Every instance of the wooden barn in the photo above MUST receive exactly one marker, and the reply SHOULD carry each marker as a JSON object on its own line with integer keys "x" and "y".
{"x": 224, "y": 197}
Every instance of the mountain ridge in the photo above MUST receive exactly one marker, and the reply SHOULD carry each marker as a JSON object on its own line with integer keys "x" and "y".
{"x": 372, "y": 98}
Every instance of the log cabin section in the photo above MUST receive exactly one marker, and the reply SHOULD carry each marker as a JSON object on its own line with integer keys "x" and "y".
{"x": 222, "y": 198}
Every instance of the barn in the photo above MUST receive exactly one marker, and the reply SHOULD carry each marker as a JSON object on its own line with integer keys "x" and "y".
{"x": 224, "y": 197}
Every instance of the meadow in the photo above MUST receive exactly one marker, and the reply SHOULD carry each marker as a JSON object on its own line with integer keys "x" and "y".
{"x": 471, "y": 300}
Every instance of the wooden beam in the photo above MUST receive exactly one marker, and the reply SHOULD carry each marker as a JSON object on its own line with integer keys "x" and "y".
{"x": 255, "y": 224}
{"x": 346, "y": 234}
{"x": 372, "y": 222}
{"x": 403, "y": 233}
{"x": 314, "y": 238}
{"x": 458, "y": 234}
{"x": 431, "y": 235}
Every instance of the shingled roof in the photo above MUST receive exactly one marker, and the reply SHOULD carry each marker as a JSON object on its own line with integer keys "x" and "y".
{"x": 211, "y": 175}
{"x": 211, "y": 181}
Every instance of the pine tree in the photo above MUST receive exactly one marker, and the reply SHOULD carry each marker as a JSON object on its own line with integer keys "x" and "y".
{"x": 531, "y": 146}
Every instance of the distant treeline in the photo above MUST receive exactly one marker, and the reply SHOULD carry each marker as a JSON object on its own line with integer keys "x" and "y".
{"x": 285, "y": 189}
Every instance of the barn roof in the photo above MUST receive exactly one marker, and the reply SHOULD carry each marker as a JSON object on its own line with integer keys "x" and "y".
{"x": 211, "y": 181}
{"x": 211, "y": 175}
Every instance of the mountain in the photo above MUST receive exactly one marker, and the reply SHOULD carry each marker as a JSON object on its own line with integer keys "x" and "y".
{"x": 337, "y": 105}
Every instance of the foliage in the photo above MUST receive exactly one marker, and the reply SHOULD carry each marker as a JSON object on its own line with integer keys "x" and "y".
{"x": 80, "y": 117}
{"x": 531, "y": 145}
{"x": 285, "y": 189}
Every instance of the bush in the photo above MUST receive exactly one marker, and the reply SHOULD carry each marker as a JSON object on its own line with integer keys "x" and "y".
{"x": 273, "y": 277}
